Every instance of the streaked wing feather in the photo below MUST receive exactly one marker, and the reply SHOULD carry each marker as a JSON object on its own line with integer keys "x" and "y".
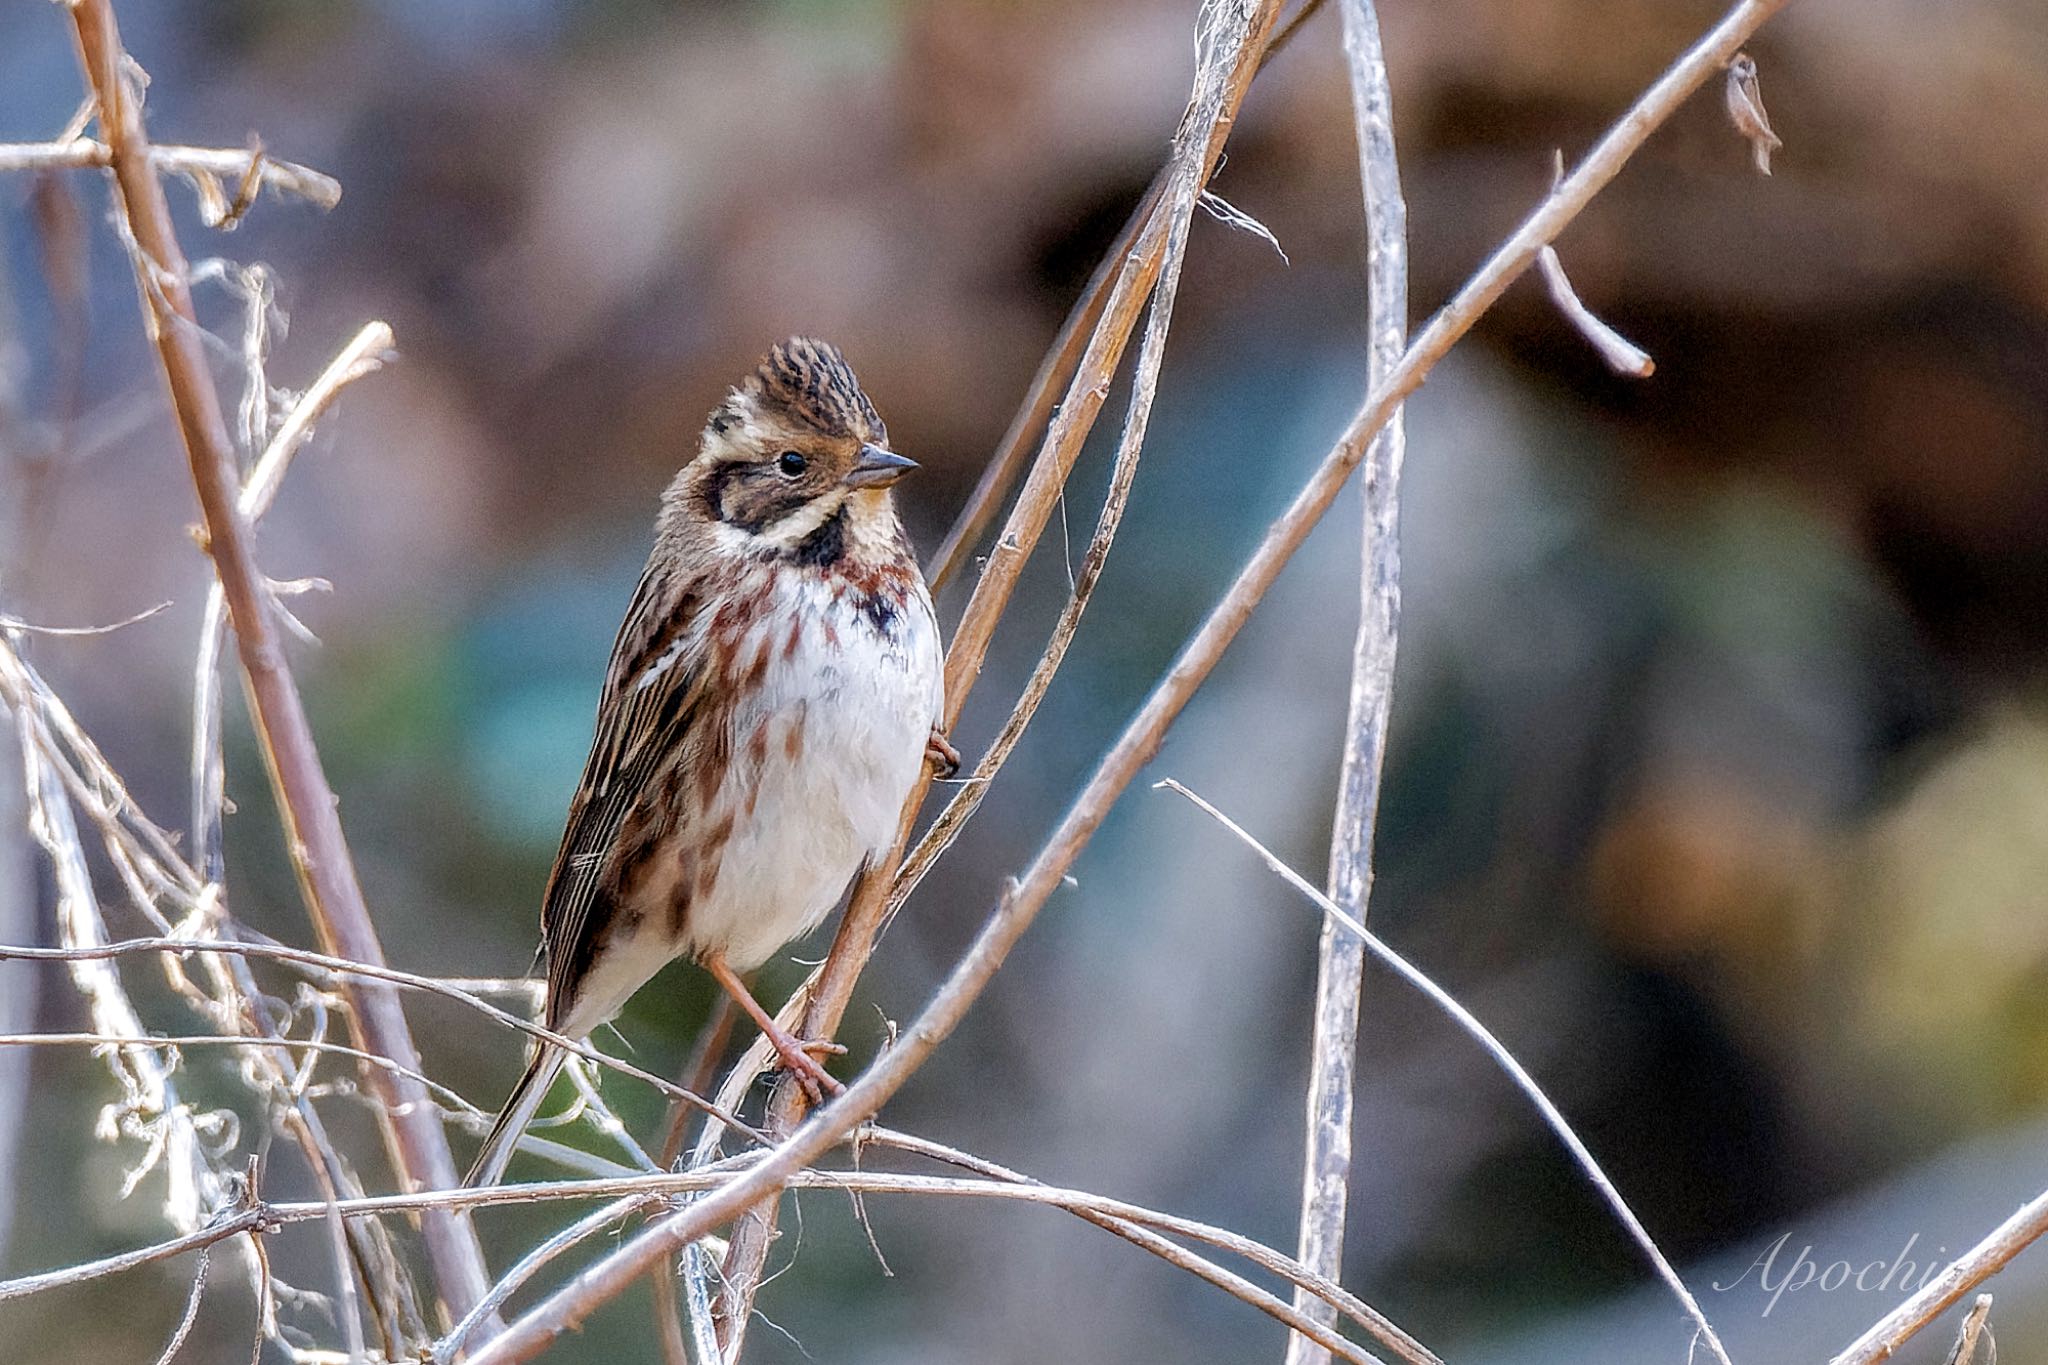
{"x": 652, "y": 689}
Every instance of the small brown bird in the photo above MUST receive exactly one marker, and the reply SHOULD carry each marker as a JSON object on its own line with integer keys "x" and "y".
{"x": 771, "y": 695}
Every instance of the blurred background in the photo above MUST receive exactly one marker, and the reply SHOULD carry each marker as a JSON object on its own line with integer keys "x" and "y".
{"x": 1719, "y": 779}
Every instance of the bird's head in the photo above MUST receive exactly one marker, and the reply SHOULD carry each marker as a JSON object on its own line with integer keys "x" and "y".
{"x": 796, "y": 459}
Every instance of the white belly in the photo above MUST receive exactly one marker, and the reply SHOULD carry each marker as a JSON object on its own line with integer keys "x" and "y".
{"x": 827, "y": 752}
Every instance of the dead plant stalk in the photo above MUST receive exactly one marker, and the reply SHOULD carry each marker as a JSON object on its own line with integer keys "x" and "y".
{"x": 1340, "y": 958}
{"x": 417, "y": 1145}
{"x": 1235, "y": 34}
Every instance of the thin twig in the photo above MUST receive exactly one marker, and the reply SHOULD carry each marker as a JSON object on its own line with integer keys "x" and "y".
{"x": 248, "y": 1220}
{"x": 1054, "y": 371}
{"x": 150, "y": 866}
{"x": 1623, "y": 356}
{"x": 1526, "y": 1083}
{"x": 569, "y": 1305}
{"x": 321, "y": 1157}
{"x": 343, "y": 967}
{"x": 286, "y": 177}
{"x": 700, "y": 1073}
{"x": 629, "y": 1193}
{"x": 1963, "y": 1274}
{"x": 1303, "y": 1277}
{"x": 150, "y": 1108}
{"x": 184, "y": 1330}
{"x": 320, "y": 853}
{"x": 364, "y": 355}
{"x": 449, "y": 1347}
{"x": 1006, "y": 465}
{"x": 1340, "y": 959}
{"x": 286, "y": 1044}
{"x": 1231, "y": 36}
{"x": 1975, "y": 1331}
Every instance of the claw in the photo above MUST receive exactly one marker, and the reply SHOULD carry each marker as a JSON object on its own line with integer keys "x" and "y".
{"x": 943, "y": 757}
{"x": 795, "y": 1052}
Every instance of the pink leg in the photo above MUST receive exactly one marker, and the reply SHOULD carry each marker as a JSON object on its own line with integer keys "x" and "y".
{"x": 795, "y": 1052}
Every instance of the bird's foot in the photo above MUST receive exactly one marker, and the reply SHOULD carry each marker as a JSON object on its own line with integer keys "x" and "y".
{"x": 798, "y": 1062}
{"x": 941, "y": 755}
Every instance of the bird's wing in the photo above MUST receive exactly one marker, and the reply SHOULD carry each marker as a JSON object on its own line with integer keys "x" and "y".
{"x": 653, "y": 691}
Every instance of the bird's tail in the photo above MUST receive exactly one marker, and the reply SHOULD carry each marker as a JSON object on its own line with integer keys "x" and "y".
{"x": 519, "y": 1110}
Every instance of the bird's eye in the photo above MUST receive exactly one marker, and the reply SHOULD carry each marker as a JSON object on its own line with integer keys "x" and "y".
{"x": 792, "y": 464}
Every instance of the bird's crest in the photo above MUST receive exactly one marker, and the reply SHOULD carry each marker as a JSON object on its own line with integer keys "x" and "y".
{"x": 809, "y": 382}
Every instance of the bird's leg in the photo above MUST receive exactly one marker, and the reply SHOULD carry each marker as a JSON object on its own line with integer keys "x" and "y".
{"x": 940, "y": 753}
{"x": 795, "y": 1052}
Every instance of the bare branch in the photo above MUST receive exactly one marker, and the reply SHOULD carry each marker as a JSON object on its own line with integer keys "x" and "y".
{"x": 248, "y": 1220}
{"x": 180, "y": 1040}
{"x": 1231, "y": 35}
{"x": 1057, "y": 368}
{"x": 1963, "y": 1274}
{"x": 630, "y": 1193}
{"x": 1340, "y": 959}
{"x": 334, "y": 899}
{"x": 239, "y": 164}
{"x": 449, "y": 1347}
{"x": 364, "y": 355}
{"x": 343, "y": 967}
{"x": 184, "y": 1329}
{"x": 1975, "y": 1331}
{"x": 1623, "y": 356}
{"x": 1465, "y": 1019}
{"x": 1302, "y": 1276}
{"x": 149, "y": 1109}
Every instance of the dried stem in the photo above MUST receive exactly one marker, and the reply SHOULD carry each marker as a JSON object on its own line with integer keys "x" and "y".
{"x": 1526, "y": 1083}
{"x": 1233, "y": 33}
{"x": 1963, "y": 1274}
{"x": 1975, "y": 1332}
{"x": 238, "y": 164}
{"x": 364, "y": 355}
{"x": 700, "y": 1073}
{"x": 1007, "y": 463}
{"x": 278, "y": 1042}
{"x": 569, "y": 1305}
{"x": 149, "y": 1108}
{"x": 1340, "y": 958}
{"x": 1623, "y": 356}
{"x": 417, "y": 1146}
{"x": 629, "y": 1194}
{"x": 1057, "y": 368}
{"x": 1305, "y": 1278}
{"x": 344, "y": 969}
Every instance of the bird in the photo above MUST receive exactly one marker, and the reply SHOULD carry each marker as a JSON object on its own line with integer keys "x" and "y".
{"x": 773, "y": 693}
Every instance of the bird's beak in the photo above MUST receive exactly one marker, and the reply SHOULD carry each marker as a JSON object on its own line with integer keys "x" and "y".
{"x": 877, "y": 468}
